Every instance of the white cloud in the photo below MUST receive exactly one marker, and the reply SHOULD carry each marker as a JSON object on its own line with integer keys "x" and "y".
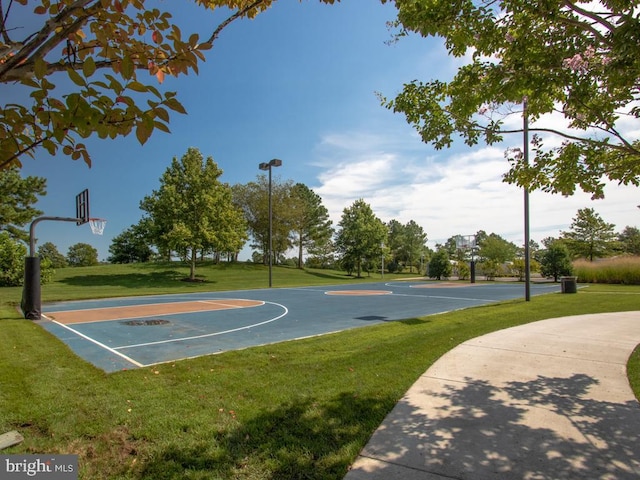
{"x": 452, "y": 192}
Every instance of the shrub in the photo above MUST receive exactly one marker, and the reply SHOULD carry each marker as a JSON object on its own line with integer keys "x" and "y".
{"x": 556, "y": 261}
{"x": 394, "y": 267}
{"x": 464, "y": 272}
{"x": 439, "y": 266}
{"x": 518, "y": 268}
{"x": 12, "y": 254}
{"x": 622, "y": 270}
{"x": 491, "y": 269}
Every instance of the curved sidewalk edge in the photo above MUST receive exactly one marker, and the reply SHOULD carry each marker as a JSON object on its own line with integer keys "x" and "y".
{"x": 546, "y": 400}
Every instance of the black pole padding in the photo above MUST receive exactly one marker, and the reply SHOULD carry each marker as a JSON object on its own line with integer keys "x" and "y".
{"x": 31, "y": 298}
{"x": 473, "y": 271}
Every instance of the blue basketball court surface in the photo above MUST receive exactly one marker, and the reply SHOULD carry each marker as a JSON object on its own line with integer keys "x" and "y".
{"x": 132, "y": 332}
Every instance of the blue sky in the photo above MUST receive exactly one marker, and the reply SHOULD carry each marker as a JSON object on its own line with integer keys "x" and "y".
{"x": 298, "y": 83}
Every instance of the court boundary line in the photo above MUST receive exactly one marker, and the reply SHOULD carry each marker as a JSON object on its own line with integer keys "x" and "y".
{"x": 159, "y": 342}
{"x": 100, "y": 344}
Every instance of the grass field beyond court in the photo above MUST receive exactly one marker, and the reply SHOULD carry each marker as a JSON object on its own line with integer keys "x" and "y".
{"x": 299, "y": 409}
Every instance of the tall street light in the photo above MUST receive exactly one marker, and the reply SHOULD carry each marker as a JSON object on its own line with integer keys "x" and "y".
{"x": 527, "y": 247}
{"x": 267, "y": 166}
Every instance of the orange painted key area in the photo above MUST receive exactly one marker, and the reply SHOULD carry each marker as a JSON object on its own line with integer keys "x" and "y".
{"x": 138, "y": 311}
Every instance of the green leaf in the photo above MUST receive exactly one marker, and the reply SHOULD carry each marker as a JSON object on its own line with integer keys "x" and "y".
{"x": 162, "y": 114}
{"x": 40, "y": 68}
{"x": 162, "y": 126}
{"x": 127, "y": 67}
{"x": 143, "y": 132}
{"x": 175, "y": 105}
{"x": 88, "y": 67}
{"x": 76, "y": 78}
{"x": 137, "y": 87}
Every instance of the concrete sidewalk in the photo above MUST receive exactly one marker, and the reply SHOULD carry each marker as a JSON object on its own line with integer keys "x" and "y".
{"x": 547, "y": 400}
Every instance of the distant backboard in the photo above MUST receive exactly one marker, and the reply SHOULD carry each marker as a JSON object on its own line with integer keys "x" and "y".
{"x": 465, "y": 242}
{"x": 82, "y": 207}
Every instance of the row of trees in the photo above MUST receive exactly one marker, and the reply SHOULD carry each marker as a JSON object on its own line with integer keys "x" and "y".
{"x": 193, "y": 215}
{"x": 589, "y": 237}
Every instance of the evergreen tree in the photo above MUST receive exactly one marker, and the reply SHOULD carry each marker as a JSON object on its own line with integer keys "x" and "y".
{"x": 309, "y": 220}
{"x": 18, "y": 196}
{"x": 590, "y": 236}
{"x": 629, "y": 240}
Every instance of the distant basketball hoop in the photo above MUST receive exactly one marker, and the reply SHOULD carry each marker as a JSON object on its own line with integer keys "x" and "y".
{"x": 468, "y": 244}
{"x": 97, "y": 225}
{"x": 465, "y": 242}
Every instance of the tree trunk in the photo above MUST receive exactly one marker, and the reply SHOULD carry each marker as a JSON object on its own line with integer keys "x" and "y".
{"x": 300, "y": 254}
{"x": 192, "y": 273}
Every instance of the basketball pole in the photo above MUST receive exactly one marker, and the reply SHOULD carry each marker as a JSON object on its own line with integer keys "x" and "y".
{"x": 31, "y": 303}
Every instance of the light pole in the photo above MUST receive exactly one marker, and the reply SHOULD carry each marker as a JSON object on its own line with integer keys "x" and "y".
{"x": 267, "y": 166}
{"x": 527, "y": 252}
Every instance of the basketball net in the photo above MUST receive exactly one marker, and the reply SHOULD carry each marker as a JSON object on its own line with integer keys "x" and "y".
{"x": 97, "y": 225}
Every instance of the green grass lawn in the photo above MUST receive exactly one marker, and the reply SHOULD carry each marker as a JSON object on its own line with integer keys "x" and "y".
{"x": 293, "y": 410}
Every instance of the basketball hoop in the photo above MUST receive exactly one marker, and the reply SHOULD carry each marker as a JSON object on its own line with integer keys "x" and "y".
{"x": 465, "y": 242}
{"x": 97, "y": 225}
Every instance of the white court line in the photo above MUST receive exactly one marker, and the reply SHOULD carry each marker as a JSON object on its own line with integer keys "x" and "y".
{"x": 138, "y": 364}
{"x": 259, "y": 303}
{"x": 445, "y": 298}
{"x": 286, "y": 311}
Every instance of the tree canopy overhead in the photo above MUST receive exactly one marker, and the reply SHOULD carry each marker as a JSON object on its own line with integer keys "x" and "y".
{"x": 576, "y": 59}
{"x": 101, "y": 46}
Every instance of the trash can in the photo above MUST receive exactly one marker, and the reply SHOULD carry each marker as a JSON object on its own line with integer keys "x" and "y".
{"x": 569, "y": 284}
